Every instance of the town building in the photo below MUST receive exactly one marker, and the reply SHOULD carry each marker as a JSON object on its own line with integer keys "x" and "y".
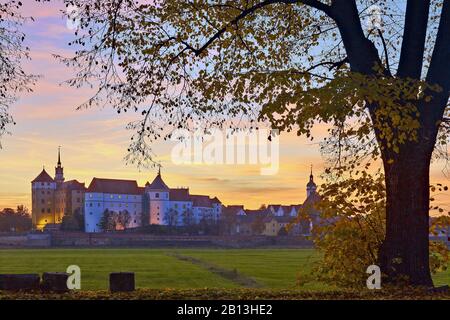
{"x": 275, "y": 219}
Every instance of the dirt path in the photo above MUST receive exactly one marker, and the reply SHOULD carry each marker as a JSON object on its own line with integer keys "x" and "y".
{"x": 232, "y": 275}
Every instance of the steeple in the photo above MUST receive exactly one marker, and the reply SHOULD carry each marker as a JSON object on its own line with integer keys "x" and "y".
{"x": 59, "y": 156}
{"x": 311, "y": 187}
{"x": 59, "y": 170}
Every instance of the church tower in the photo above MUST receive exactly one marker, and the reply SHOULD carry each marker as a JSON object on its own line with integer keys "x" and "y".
{"x": 59, "y": 170}
{"x": 311, "y": 187}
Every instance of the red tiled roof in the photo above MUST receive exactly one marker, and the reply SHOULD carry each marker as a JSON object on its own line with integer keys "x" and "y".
{"x": 179, "y": 195}
{"x": 114, "y": 186}
{"x": 201, "y": 201}
{"x": 232, "y": 210}
{"x": 74, "y": 185}
{"x": 261, "y": 212}
{"x": 43, "y": 177}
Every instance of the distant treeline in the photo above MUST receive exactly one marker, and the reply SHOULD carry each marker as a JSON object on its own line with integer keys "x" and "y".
{"x": 15, "y": 219}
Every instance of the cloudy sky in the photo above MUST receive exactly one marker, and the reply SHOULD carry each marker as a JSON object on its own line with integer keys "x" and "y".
{"x": 94, "y": 142}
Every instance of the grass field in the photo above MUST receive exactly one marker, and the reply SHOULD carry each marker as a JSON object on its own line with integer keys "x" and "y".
{"x": 161, "y": 268}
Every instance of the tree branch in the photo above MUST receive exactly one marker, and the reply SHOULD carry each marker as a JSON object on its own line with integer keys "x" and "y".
{"x": 361, "y": 52}
{"x": 244, "y": 13}
{"x": 439, "y": 71}
{"x": 414, "y": 35}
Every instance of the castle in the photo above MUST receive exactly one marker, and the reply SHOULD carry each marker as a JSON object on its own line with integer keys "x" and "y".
{"x": 153, "y": 204}
{"x": 156, "y": 203}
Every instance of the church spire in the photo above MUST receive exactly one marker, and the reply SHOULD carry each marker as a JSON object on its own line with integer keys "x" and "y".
{"x": 59, "y": 170}
{"x": 59, "y": 156}
{"x": 311, "y": 187}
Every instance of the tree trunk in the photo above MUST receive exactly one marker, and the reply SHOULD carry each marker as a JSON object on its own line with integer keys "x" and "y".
{"x": 404, "y": 254}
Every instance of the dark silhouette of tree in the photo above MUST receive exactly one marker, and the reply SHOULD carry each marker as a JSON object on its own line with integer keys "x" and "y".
{"x": 383, "y": 88}
{"x": 73, "y": 222}
{"x": 13, "y": 80}
{"x": 171, "y": 217}
{"x": 18, "y": 220}
{"x": 108, "y": 221}
{"x": 188, "y": 217}
{"x": 124, "y": 219}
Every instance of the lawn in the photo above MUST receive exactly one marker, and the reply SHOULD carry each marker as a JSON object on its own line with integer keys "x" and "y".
{"x": 161, "y": 268}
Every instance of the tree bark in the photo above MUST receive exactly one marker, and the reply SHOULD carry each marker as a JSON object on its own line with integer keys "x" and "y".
{"x": 404, "y": 255}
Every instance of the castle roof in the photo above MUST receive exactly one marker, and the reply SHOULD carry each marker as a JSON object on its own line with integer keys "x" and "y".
{"x": 201, "y": 201}
{"x": 43, "y": 177}
{"x": 158, "y": 183}
{"x": 74, "y": 185}
{"x": 232, "y": 210}
{"x": 216, "y": 200}
{"x": 115, "y": 186}
{"x": 179, "y": 195}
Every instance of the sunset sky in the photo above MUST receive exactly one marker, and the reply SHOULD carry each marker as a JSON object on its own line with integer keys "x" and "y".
{"x": 94, "y": 142}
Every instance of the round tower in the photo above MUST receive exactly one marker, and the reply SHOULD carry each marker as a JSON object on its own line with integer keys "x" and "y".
{"x": 158, "y": 200}
{"x": 43, "y": 200}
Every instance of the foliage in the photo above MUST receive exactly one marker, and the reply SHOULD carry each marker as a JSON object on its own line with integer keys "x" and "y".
{"x": 231, "y": 294}
{"x": 181, "y": 64}
{"x": 73, "y": 222}
{"x": 15, "y": 220}
{"x": 351, "y": 230}
{"x": 112, "y": 221}
{"x": 170, "y": 217}
{"x": 188, "y": 217}
{"x": 13, "y": 79}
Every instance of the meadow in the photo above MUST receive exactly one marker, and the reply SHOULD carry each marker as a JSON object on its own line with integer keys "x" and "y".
{"x": 178, "y": 268}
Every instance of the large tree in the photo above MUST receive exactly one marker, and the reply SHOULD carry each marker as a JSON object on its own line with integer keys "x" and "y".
{"x": 376, "y": 71}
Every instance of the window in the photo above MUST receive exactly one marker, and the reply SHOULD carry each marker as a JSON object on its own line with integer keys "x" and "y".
{"x": 111, "y": 196}
{"x": 156, "y": 195}
{"x": 120, "y": 197}
{"x": 90, "y": 195}
{"x": 43, "y": 210}
{"x": 48, "y": 210}
{"x": 176, "y": 206}
{"x": 90, "y": 204}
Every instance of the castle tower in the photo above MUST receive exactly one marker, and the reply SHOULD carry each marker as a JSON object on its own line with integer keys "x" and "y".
{"x": 59, "y": 170}
{"x": 158, "y": 200}
{"x": 43, "y": 200}
{"x": 311, "y": 187}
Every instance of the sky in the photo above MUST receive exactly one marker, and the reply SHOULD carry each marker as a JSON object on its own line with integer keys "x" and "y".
{"x": 94, "y": 141}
